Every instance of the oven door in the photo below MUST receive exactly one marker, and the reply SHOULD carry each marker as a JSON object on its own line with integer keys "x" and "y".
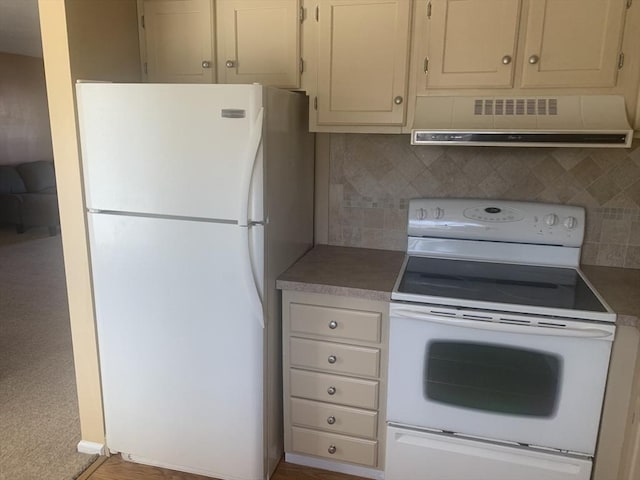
{"x": 534, "y": 385}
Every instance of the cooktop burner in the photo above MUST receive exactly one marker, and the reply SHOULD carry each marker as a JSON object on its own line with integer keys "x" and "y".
{"x": 527, "y": 285}
{"x": 500, "y": 256}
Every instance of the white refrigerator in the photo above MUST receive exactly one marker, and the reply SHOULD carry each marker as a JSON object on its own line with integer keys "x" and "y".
{"x": 197, "y": 198}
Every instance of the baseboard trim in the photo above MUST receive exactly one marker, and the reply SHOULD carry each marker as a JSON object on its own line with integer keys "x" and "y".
{"x": 334, "y": 466}
{"x": 92, "y": 448}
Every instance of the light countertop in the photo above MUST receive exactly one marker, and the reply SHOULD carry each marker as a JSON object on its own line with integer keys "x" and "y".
{"x": 620, "y": 288}
{"x": 345, "y": 271}
{"x": 369, "y": 273}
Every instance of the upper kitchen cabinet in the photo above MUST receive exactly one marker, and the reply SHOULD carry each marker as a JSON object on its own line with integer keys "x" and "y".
{"x": 176, "y": 38}
{"x": 258, "y": 42}
{"x": 573, "y": 43}
{"x": 250, "y": 41}
{"x": 362, "y": 58}
{"x": 502, "y": 44}
{"x": 468, "y": 43}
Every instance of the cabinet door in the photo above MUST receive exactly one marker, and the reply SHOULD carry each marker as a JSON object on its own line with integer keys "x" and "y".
{"x": 362, "y": 61}
{"x": 179, "y": 41}
{"x": 572, "y": 43}
{"x": 258, "y": 42}
{"x": 471, "y": 43}
{"x": 630, "y": 459}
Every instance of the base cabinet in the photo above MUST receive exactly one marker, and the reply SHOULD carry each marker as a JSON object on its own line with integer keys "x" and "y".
{"x": 340, "y": 447}
{"x": 630, "y": 460}
{"x": 621, "y": 411}
{"x": 335, "y": 356}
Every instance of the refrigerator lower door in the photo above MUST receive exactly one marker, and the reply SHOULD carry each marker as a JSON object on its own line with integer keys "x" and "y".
{"x": 181, "y": 347}
{"x": 432, "y": 456}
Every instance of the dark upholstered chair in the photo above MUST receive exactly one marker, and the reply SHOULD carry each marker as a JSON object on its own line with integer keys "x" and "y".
{"x": 28, "y": 196}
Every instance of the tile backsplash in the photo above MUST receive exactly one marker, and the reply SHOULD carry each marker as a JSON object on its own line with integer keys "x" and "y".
{"x": 372, "y": 178}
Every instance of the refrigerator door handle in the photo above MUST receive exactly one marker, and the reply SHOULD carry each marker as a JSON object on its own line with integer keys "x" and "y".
{"x": 250, "y": 278}
{"x": 255, "y": 139}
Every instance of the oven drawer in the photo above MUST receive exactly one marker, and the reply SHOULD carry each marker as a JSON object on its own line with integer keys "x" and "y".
{"x": 334, "y": 357}
{"x": 353, "y": 392}
{"x": 335, "y": 322}
{"x": 445, "y": 457}
{"x": 335, "y": 447}
{"x": 334, "y": 418}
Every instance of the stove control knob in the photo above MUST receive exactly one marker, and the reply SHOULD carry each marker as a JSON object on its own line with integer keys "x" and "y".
{"x": 551, "y": 219}
{"x": 570, "y": 223}
{"x": 437, "y": 213}
{"x": 421, "y": 214}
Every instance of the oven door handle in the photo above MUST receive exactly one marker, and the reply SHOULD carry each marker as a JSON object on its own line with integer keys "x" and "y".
{"x": 588, "y": 332}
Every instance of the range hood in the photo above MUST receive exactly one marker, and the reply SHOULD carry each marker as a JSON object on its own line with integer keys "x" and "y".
{"x": 551, "y": 121}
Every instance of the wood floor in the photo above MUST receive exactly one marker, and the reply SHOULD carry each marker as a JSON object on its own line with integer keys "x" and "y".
{"x": 115, "y": 468}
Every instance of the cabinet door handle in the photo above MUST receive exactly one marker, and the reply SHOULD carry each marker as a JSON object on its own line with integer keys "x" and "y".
{"x": 206, "y": 64}
{"x": 331, "y": 390}
{"x": 506, "y": 60}
{"x": 398, "y": 100}
{"x": 332, "y": 449}
{"x": 230, "y": 63}
{"x": 333, "y": 324}
{"x": 332, "y": 359}
{"x": 331, "y": 420}
{"x": 533, "y": 59}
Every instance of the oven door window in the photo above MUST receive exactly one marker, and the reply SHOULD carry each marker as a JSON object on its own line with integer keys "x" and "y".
{"x": 492, "y": 378}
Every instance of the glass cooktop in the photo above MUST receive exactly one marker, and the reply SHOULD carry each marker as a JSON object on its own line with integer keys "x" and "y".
{"x": 527, "y": 285}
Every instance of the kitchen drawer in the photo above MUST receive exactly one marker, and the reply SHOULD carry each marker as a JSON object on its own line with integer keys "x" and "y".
{"x": 354, "y": 392}
{"x": 334, "y": 418}
{"x": 335, "y": 322}
{"x": 345, "y": 449}
{"x": 334, "y": 357}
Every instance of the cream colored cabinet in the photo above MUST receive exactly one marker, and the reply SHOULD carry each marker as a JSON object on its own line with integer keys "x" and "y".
{"x": 250, "y": 41}
{"x": 620, "y": 406}
{"x": 469, "y": 43}
{"x": 362, "y": 60}
{"x": 573, "y": 43}
{"x": 522, "y": 43}
{"x": 177, "y": 41}
{"x": 335, "y": 355}
{"x": 630, "y": 459}
{"x": 258, "y": 42}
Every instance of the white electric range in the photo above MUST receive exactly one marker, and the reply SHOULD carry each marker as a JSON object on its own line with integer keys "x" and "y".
{"x": 499, "y": 346}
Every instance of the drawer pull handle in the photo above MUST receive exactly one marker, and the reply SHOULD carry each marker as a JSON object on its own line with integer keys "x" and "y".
{"x": 332, "y": 449}
{"x": 332, "y": 359}
{"x": 331, "y": 390}
{"x": 333, "y": 324}
{"x": 331, "y": 420}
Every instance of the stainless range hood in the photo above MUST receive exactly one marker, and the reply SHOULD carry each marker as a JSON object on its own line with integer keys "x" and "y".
{"x": 551, "y": 121}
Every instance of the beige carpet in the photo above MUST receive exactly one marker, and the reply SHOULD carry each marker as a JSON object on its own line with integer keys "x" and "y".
{"x": 39, "y": 425}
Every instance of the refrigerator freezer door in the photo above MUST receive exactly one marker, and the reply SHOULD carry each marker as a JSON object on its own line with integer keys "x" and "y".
{"x": 181, "y": 350}
{"x": 168, "y": 149}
